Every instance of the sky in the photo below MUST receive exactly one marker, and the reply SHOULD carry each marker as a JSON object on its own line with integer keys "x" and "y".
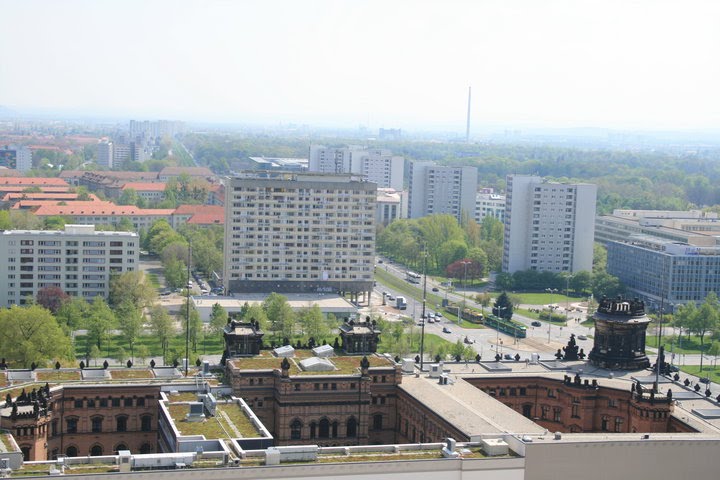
{"x": 634, "y": 64}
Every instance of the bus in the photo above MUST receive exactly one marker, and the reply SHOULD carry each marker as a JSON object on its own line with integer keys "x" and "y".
{"x": 413, "y": 277}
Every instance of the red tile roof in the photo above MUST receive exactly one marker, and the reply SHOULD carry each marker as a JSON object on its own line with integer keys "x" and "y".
{"x": 100, "y": 210}
{"x": 31, "y": 181}
{"x": 60, "y": 196}
{"x": 200, "y": 209}
{"x": 206, "y": 219}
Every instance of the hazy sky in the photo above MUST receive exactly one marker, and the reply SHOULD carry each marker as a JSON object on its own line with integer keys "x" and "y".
{"x": 617, "y": 63}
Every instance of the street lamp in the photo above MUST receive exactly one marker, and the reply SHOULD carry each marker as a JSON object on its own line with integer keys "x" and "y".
{"x": 567, "y": 298}
{"x": 422, "y": 333}
{"x": 497, "y": 324}
{"x": 550, "y": 291}
{"x": 465, "y": 264}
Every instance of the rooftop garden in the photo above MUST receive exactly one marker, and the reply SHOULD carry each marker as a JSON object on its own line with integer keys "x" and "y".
{"x": 229, "y": 422}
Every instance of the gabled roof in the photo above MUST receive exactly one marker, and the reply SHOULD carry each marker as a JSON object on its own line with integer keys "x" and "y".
{"x": 32, "y": 181}
{"x": 145, "y": 186}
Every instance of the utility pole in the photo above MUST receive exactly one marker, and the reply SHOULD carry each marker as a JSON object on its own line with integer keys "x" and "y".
{"x": 422, "y": 331}
{"x": 187, "y": 312}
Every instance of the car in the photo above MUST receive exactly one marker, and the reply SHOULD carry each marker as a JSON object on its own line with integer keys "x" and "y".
{"x": 704, "y": 380}
{"x": 438, "y": 315}
{"x": 469, "y": 340}
{"x": 582, "y": 337}
{"x": 380, "y": 261}
{"x": 507, "y": 356}
{"x": 165, "y": 293}
{"x": 391, "y": 298}
{"x": 431, "y": 320}
{"x": 435, "y": 289}
{"x": 536, "y": 324}
{"x": 446, "y": 330}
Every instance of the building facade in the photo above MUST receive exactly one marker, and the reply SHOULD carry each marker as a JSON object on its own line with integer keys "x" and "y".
{"x": 488, "y": 204}
{"x": 288, "y": 232}
{"x": 439, "y": 189}
{"x": 378, "y": 165}
{"x": 548, "y": 226}
{"x": 78, "y": 259}
{"x": 16, "y": 157}
{"x": 105, "y": 156}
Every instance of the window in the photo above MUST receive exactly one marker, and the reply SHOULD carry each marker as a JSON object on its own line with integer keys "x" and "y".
{"x": 71, "y": 451}
{"x": 141, "y": 401}
{"x": 128, "y": 402}
{"x": 96, "y": 424}
{"x": 78, "y": 403}
{"x": 604, "y": 424}
{"x": 351, "y": 428}
{"x": 618, "y": 424}
{"x": 146, "y": 448}
{"x": 146, "y": 423}
{"x": 115, "y": 402}
{"x": 72, "y": 427}
{"x": 121, "y": 424}
{"x": 377, "y": 421}
{"x": 296, "y": 430}
{"x": 556, "y": 414}
{"x": 96, "y": 451}
{"x": 120, "y": 446}
{"x": 324, "y": 430}
{"x": 313, "y": 430}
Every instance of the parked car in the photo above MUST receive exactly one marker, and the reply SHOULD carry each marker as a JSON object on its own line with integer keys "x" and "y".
{"x": 446, "y": 330}
{"x": 469, "y": 340}
{"x": 582, "y": 337}
{"x": 507, "y": 356}
{"x": 435, "y": 289}
{"x": 535, "y": 323}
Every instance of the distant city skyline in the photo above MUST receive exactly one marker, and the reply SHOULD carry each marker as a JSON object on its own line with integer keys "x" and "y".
{"x": 401, "y": 64}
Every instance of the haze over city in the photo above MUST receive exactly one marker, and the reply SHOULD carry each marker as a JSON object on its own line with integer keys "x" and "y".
{"x": 639, "y": 65}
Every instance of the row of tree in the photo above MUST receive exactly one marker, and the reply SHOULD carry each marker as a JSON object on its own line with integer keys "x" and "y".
{"x": 446, "y": 242}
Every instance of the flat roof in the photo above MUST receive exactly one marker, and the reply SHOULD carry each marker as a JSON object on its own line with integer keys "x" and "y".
{"x": 466, "y": 407}
{"x": 328, "y": 303}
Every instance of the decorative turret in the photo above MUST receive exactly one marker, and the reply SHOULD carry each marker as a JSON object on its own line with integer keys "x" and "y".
{"x": 619, "y": 342}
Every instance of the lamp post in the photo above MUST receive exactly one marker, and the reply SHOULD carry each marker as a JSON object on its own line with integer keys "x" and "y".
{"x": 422, "y": 332}
{"x": 187, "y": 313}
{"x": 497, "y": 325}
{"x": 567, "y": 298}
{"x": 550, "y": 291}
{"x": 464, "y": 264}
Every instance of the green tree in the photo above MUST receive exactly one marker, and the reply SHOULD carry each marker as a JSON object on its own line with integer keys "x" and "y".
{"x": 257, "y": 313}
{"x": 32, "y": 335}
{"x": 94, "y": 354}
{"x": 706, "y": 318}
{"x": 175, "y": 273}
{"x": 98, "y": 322}
{"x": 218, "y": 319}
{"x": 55, "y": 222}
{"x": 72, "y": 313}
{"x": 195, "y": 324}
{"x": 133, "y": 287}
{"x": 162, "y": 327}
{"x": 142, "y": 353}
{"x": 130, "y": 322}
{"x": 606, "y": 285}
{"x": 503, "y": 307}
{"x": 312, "y": 323}
{"x": 581, "y": 282}
{"x": 280, "y": 315}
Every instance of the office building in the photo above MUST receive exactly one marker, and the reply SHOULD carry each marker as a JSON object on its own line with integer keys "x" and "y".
{"x": 549, "y": 226}
{"x": 16, "y": 157}
{"x": 78, "y": 259}
{"x": 489, "y": 204}
{"x": 378, "y": 165}
{"x": 291, "y": 232}
{"x": 105, "y": 157}
{"x": 439, "y": 189}
{"x": 391, "y": 205}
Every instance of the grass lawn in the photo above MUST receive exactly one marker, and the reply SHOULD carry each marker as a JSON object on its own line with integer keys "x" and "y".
{"x": 210, "y": 345}
{"x": 709, "y": 370}
{"x": 689, "y": 344}
{"x": 536, "y": 316}
{"x": 545, "y": 298}
{"x": 129, "y": 373}
{"x": 57, "y": 375}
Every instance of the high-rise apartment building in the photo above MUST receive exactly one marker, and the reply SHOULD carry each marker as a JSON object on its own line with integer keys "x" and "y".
{"x": 378, "y": 165}
{"x": 16, "y": 157}
{"x": 489, "y": 204}
{"x": 293, "y": 232}
{"x": 105, "y": 154}
{"x": 548, "y": 226}
{"x": 78, "y": 259}
{"x": 440, "y": 189}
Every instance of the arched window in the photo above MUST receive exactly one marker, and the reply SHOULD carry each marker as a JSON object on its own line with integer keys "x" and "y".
{"x": 377, "y": 421}
{"x": 324, "y": 430}
{"x": 96, "y": 424}
{"x": 122, "y": 423}
{"x": 351, "y": 427}
{"x": 296, "y": 430}
{"x": 71, "y": 451}
{"x": 72, "y": 424}
{"x": 146, "y": 448}
{"x": 313, "y": 430}
{"x": 146, "y": 423}
{"x": 96, "y": 450}
{"x": 120, "y": 446}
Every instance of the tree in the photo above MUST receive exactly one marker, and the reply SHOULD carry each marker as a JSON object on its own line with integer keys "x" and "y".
{"x": 52, "y": 298}
{"x": 257, "y": 313}
{"x": 94, "y": 354}
{"x": 54, "y": 222}
{"x": 175, "y": 273}
{"x": 605, "y": 285}
{"x": 130, "y": 322}
{"x": 459, "y": 269}
{"x": 98, "y": 322}
{"x": 312, "y": 323}
{"x": 142, "y": 353}
{"x": 162, "y": 327}
{"x": 503, "y": 307}
{"x": 133, "y": 287}
{"x": 504, "y": 281}
{"x": 195, "y": 323}
{"x": 706, "y": 319}
{"x": 280, "y": 315}
{"x": 581, "y": 282}
{"x": 32, "y": 335}
{"x": 218, "y": 319}
{"x": 72, "y": 313}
